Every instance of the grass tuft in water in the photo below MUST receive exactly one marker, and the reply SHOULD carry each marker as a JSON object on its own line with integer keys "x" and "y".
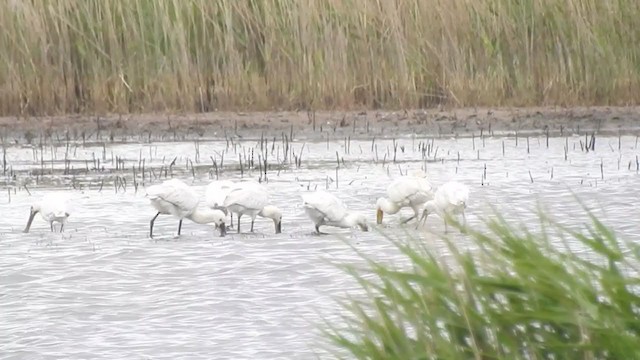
{"x": 519, "y": 294}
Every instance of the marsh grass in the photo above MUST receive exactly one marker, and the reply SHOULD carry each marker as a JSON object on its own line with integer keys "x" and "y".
{"x": 520, "y": 295}
{"x": 65, "y": 56}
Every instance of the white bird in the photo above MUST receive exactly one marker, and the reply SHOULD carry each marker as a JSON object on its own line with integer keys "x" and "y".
{"x": 325, "y": 209}
{"x": 251, "y": 198}
{"x": 408, "y": 191}
{"x": 217, "y": 192}
{"x": 173, "y": 197}
{"x": 450, "y": 199}
{"x": 52, "y": 208}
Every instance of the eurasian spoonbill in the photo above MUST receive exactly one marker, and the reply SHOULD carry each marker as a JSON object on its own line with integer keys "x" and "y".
{"x": 216, "y": 192}
{"x": 174, "y": 197}
{"x": 408, "y": 191}
{"x": 324, "y": 208}
{"x": 450, "y": 199}
{"x": 52, "y": 208}
{"x": 251, "y": 198}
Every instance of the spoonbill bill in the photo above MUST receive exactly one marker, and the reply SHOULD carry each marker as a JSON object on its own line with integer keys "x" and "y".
{"x": 324, "y": 208}
{"x": 407, "y": 191}
{"x": 174, "y": 197}
{"x": 450, "y": 199}
{"x": 251, "y": 198}
{"x": 52, "y": 208}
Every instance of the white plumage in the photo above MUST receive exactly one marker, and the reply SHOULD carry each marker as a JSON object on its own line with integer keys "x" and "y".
{"x": 252, "y": 199}
{"x": 450, "y": 199}
{"x": 324, "y": 208}
{"x": 217, "y": 192}
{"x": 52, "y": 208}
{"x": 408, "y": 191}
{"x": 174, "y": 197}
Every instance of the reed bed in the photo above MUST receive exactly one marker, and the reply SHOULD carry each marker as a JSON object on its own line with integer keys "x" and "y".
{"x": 518, "y": 295}
{"x": 74, "y": 56}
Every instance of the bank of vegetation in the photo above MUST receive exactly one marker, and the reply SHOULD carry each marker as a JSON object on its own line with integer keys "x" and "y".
{"x": 550, "y": 294}
{"x": 70, "y": 56}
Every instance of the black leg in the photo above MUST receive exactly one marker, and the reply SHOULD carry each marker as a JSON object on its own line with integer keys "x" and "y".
{"x": 51, "y": 223}
{"x": 61, "y": 226}
{"x": 179, "y": 227}
{"x": 320, "y": 232}
{"x": 252, "y": 220}
{"x": 151, "y": 229}
{"x": 407, "y": 220}
{"x": 231, "y": 221}
{"x": 239, "y": 216}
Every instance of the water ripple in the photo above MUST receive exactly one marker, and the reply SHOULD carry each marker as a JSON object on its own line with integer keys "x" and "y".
{"x": 103, "y": 289}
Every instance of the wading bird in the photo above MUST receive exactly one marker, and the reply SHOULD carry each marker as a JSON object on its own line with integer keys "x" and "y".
{"x": 173, "y": 197}
{"x": 252, "y": 199}
{"x": 215, "y": 194}
{"x": 408, "y": 191}
{"x": 325, "y": 209}
{"x": 450, "y": 199}
{"x": 52, "y": 208}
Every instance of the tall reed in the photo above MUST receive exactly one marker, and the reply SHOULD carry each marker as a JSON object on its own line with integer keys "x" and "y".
{"x": 522, "y": 295}
{"x": 69, "y": 56}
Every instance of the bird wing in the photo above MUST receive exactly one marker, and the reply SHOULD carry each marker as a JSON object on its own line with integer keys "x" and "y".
{"x": 327, "y": 204}
{"x": 248, "y": 195}
{"x": 176, "y": 193}
{"x": 456, "y": 193}
{"x": 55, "y": 206}
{"x": 217, "y": 192}
{"x": 410, "y": 189}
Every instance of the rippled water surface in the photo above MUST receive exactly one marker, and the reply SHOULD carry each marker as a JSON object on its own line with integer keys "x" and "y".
{"x": 103, "y": 289}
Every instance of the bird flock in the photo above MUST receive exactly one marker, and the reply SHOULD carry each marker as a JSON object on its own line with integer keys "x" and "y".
{"x": 224, "y": 198}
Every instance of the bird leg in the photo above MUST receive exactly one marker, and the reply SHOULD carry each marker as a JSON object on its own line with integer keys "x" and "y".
{"x": 151, "y": 229}
{"x": 51, "y": 223}
{"x": 464, "y": 223}
{"x": 320, "y": 232}
{"x": 252, "y": 220}
{"x": 423, "y": 219}
{"x": 61, "y": 226}
{"x": 407, "y": 220}
{"x": 416, "y": 213}
{"x": 231, "y": 227}
{"x": 239, "y": 216}
{"x": 179, "y": 227}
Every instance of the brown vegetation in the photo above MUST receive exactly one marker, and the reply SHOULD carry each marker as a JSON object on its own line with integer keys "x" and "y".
{"x": 73, "y": 56}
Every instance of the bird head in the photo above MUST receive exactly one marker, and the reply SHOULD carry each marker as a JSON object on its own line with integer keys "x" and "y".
{"x": 273, "y": 213}
{"x": 429, "y": 207}
{"x": 356, "y": 219}
{"x": 218, "y": 218}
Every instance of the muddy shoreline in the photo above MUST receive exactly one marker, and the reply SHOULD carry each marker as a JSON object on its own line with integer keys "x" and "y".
{"x": 429, "y": 122}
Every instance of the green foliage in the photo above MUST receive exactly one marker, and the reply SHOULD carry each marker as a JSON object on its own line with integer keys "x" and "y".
{"x": 518, "y": 295}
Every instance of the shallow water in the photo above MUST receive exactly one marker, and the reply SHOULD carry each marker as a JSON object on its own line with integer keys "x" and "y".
{"x": 103, "y": 289}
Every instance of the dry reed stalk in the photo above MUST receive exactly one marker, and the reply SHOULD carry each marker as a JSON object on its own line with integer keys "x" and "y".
{"x": 130, "y": 56}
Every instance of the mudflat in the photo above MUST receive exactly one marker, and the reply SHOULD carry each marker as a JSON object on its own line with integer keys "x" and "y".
{"x": 440, "y": 121}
